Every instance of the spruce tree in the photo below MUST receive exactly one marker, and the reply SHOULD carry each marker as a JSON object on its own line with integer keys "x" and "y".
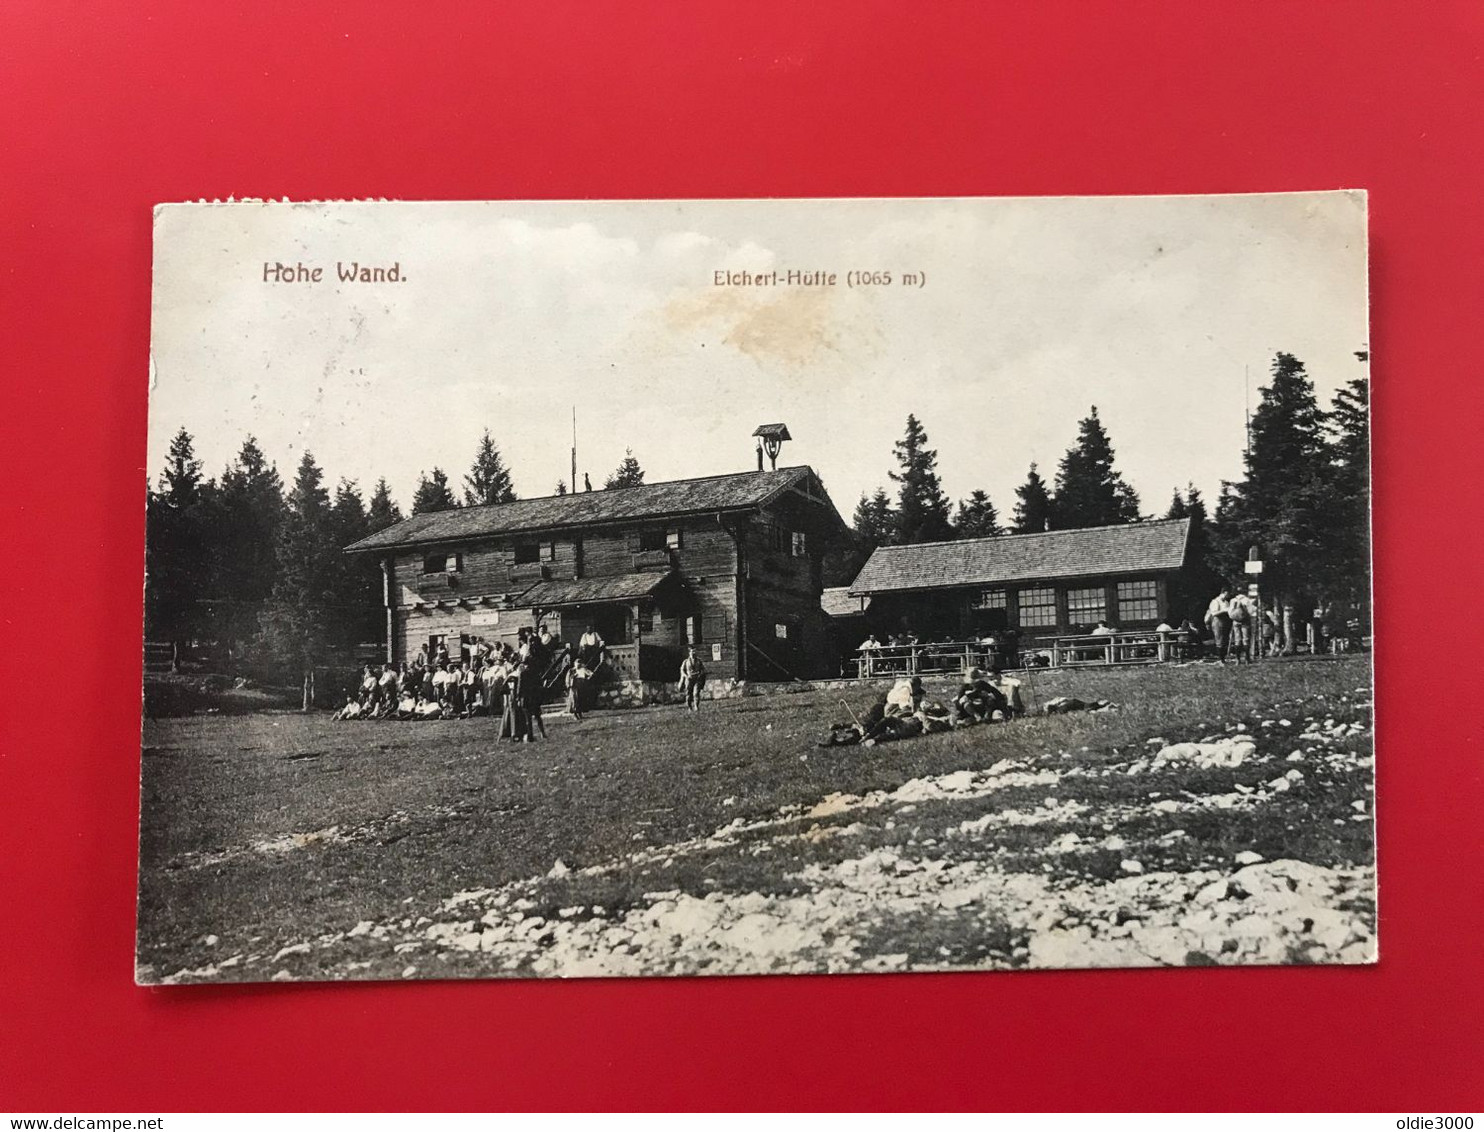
{"x": 1033, "y": 505}
{"x": 1089, "y": 493}
{"x": 180, "y": 559}
{"x": 977, "y": 517}
{"x": 296, "y": 624}
{"x": 922, "y": 508}
{"x": 1350, "y": 454}
{"x": 1287, "y": 504}
{"x": 628, "y": 474}
{"x": 433, "y": 493}
{"x": 181, "y": 482}
{"x": 251, "y": 513}
{"x": 873, "y": 521}
{"x": 488, "y": 480}
{"x": 1200, "y": 580}
{"x": 382, "y": 511}
{"x": 355, "y": 612}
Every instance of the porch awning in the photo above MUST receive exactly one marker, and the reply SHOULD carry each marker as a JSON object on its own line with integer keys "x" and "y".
{"x": 592, "y": 591}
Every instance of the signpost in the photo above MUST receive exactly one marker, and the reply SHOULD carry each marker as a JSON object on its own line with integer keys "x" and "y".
{"x": 1253, "y": 567}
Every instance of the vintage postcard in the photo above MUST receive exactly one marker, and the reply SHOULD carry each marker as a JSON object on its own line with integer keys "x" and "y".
{"x": 740, "y": 587}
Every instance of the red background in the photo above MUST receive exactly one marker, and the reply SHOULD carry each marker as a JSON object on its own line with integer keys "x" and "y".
{"x": 109, "y": 108}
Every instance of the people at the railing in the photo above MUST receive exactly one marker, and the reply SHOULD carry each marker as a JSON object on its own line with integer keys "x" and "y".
{"x": 870, "y": 644}
{"x": 1104, "y": 630}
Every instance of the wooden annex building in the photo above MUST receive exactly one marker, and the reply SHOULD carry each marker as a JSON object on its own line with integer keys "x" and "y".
{"x": 1040, "y": 585}
{"x": 732, "y": 564}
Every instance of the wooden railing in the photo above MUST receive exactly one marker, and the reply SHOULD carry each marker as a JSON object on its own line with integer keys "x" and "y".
{"x": 1141, "y": 647}
{"x": 1135, "y": 647}
{"x": 913, "y": 660}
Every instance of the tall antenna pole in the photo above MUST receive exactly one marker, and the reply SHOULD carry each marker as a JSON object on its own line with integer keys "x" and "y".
{"x": 573, "y": 484}
{"x": 1247, "y": 406}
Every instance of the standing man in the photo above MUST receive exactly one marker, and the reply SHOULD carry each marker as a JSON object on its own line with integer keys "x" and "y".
{"x": 1219, "y": 621}
{"x": 1243, "y": 613}
{"x": 692, "y": 678}
{"x": 530, "y": 687}
{"x": 591, "y": 648}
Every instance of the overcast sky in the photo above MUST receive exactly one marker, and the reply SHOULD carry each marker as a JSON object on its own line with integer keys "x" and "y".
{"x": 1033, "y": 310}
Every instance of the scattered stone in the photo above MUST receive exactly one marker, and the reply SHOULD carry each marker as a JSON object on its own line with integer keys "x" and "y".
{"x": 1131, "y": 866}
{"x": 1248, "y": 857}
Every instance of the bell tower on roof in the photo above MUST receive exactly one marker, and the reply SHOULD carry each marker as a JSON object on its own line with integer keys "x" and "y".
{"x": 770, "y": 440}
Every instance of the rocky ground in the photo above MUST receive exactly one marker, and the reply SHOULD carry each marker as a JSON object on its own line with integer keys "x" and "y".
{"x": 1249, "y": 842}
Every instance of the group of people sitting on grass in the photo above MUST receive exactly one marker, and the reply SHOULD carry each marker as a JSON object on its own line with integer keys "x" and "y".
{"x": 506, "y": 682}
{"x": 905, "y": 711}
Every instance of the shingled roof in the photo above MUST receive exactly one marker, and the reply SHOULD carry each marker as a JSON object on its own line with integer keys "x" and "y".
{"x": 585, "y": 591}
{"x": 1128, "y": 548}
{"x": 646, "y": 501}
{"x": 837, "y": 601}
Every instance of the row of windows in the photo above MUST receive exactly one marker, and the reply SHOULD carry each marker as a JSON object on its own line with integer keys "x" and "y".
{"x": 1137, "y": 601}
{"x": 451, "y": 562}
{"x": 649, "y": 539}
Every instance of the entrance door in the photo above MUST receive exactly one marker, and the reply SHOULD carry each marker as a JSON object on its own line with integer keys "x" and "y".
{"x": 611, "y": 621}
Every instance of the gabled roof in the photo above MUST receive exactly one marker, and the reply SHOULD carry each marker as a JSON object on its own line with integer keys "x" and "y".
{"x": 1127, "y": 548}
{"x": 649, "y": 501}
{"x": 837, "y": 601}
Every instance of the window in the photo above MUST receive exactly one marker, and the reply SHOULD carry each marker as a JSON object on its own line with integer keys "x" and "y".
{"x": 1138, "y": 601}
{"x": 692, "y": 630}
{"x": 653, "y": 538}
{"x": 527, "y": 552}
{"x": 672, "y": 540}
{"x": 799, "y": 547}
{"x": 780, "y": 630}
{"x": 1087, "y": 606}
{"x": 990, "y": 599}
{"x": 775, "y": 536}
{"x": 1037, "y": 608}
{"x": 442, "y": 563}
{"x": 548, "y": 551}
